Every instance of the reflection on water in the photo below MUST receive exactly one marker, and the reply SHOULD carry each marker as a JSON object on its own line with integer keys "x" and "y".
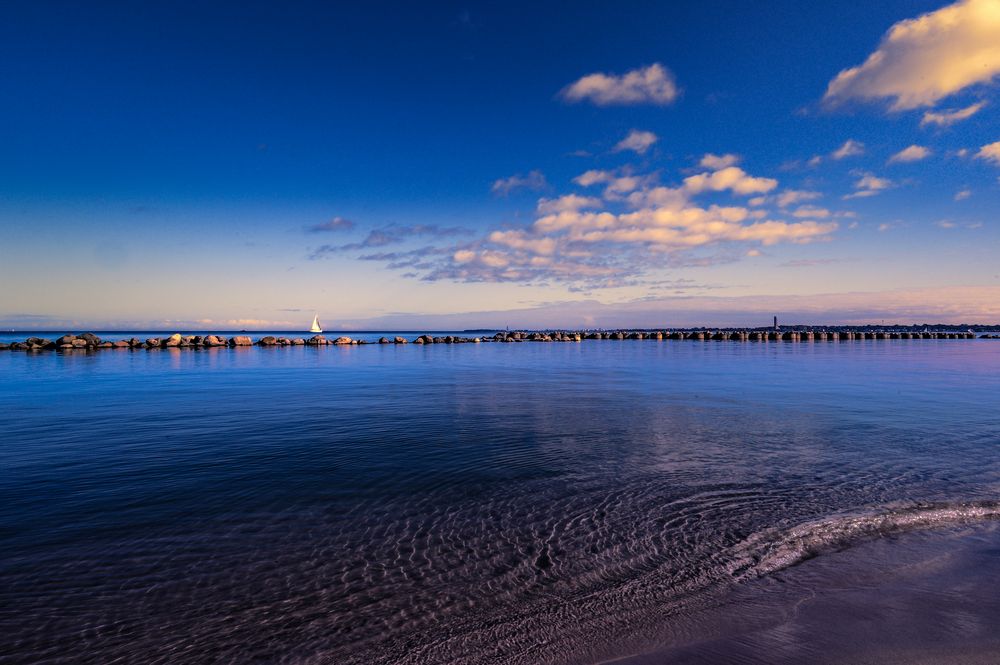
{"x": 486, "y": 503}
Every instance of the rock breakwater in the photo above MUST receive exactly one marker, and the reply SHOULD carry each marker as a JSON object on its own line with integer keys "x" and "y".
{"x": 91, "y": 342}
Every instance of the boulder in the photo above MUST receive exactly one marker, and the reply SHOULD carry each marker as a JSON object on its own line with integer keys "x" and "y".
{"x": 91, "y": 339}
{"x": 121, "y": 344}
{"x": 65, "y": 339}
{"x": 240, "y": 340}
{"x": 419, "y": 340}
{"x": 4, "y": 346}
{"x": 106, "y": 345}
{"x": 400, "y": 340}
{"x": 343, "y": 340}
{"x": 384, "y": 340}
{"x": 40, "y": 342}
{"x": 284, "y": 341}
{"x": 298, "y": 341}
{"x": 153, "y": 343}
{"x": 19, "y": 346}
{"x": 79, "y": 343}
{"x": 173, "y": 340}
{"x": 268, "y": 340}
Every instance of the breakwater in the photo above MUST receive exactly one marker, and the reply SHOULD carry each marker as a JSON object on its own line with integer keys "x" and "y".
{"x": 91, "y": 342}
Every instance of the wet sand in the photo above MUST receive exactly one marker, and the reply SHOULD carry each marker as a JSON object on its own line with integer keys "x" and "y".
{"x": 924, "y": 597}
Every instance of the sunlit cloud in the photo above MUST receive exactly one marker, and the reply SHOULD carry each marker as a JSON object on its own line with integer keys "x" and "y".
{"x": 963, "y": 194}
{"x": 990, "y": 152}
{"x": 717, "y": 162}
{"x": 868, "y": 185}
{"x": 925, "y": 59}
{"x": 947, "y": 118}
{"x": 586, "y": 242}
{"x": 654, "y": 84}
{"x": 811, "y": 212}
{"x": 913, "y": 153}
{"x": 567, "y": 203}
{"x": 851, "y": 148}
{"x": 637, "y": 141}
{"x": 792, "y": 196}
{"x": 533, "y": 181}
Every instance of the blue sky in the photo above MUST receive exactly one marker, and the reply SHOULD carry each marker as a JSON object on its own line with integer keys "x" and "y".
{"x": 381, "y": 164}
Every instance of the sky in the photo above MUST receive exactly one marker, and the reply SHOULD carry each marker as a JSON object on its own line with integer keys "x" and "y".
{"x": 456, "y": 165}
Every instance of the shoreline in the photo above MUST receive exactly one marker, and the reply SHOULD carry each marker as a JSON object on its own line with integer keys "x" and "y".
{"x": 91, "y": 342}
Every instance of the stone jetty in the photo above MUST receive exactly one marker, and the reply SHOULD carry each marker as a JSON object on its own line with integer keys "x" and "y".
{"x": 91, "y": 342}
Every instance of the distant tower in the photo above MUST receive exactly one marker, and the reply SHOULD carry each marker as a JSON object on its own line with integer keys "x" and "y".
{"x": 775, "y": 322}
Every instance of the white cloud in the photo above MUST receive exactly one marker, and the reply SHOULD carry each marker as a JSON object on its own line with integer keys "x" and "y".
{"x": 949, "y": 117}
{"x": 569, "y": 202}
{"x": 732, "y": 178}
{"x": 812, "y": 212}
{"x": 533, "y": 181}
{"x": 637, "y": 141}
{"x": 990, "y": 152}
{"x": 914, "y": 153}
{"x": 928, "y": 58}
{"x": 654, "y": 84}
{"x": 851, "y": 148}
{"x": 792, "y": 196}
{"x": 946, "y": 224}
{"x": 639, "y": 226}
{"x": 963, "y": 194}
{"x": 593, "y": 177}
{"x": 868, "y": 185}
{"x": 717, "y": 162}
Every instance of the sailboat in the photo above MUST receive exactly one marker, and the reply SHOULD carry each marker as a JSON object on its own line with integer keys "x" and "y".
{"x": 316, "y": 327}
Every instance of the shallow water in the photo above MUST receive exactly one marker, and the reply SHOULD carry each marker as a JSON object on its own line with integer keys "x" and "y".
{"x": 474, "y": 503}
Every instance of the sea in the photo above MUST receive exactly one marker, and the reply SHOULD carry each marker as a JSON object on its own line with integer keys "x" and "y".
{"x": 632, "y": 501}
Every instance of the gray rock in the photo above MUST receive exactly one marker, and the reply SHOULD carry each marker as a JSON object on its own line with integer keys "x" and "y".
{"x": 91, "y": 339}
{"x": 65, "y": 339}
{"x": 268, "y": 340}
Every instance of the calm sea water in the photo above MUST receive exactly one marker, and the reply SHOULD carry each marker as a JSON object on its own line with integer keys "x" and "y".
{"x": 471, "y": 503}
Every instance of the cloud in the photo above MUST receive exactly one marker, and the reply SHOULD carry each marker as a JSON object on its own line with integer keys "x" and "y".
{"x": 925, "y": 59}
{"x": 868, "y": 185}
{"x": 567, "y": 203}
{"x": 534, "y": 181}
{"x": 963, "y": 194}
{"x": 811, "y": 212}
{"x": 389, "y": 235}
{"x": 946, "y": 224}
{"x": 851, "y": 148}
{"x": 593, "y": 177}
{"x": 637, "y": 141}
{"x": 914, "y": 153}
{"x": 792, "y": 196}
{"x": 990, "y": 152}
{"x": 717, "y": 162}
{"x": 335, "y": 224}
{"x": 654, "y": 84}
{"x": 949, "y": 117}
{"x": 732, "y": 178}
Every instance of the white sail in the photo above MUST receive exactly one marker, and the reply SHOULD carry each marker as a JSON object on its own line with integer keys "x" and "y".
{"x": 316, "y": 327}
